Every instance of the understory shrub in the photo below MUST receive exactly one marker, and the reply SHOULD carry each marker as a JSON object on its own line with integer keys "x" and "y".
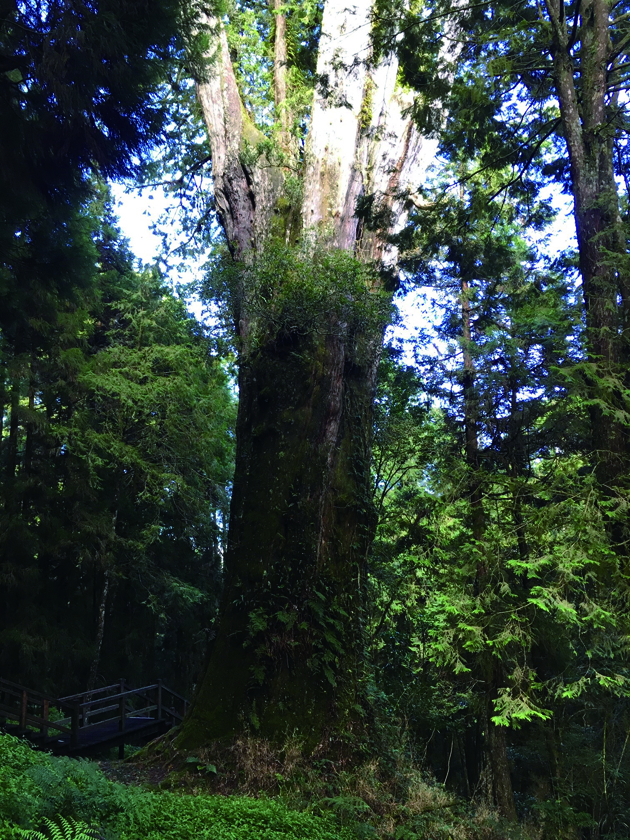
{"x": 35, "y": 787}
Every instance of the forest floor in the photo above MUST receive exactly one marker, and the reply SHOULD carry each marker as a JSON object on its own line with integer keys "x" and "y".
{"x": 405, "y": 802}
{"x": 133, "y": 773}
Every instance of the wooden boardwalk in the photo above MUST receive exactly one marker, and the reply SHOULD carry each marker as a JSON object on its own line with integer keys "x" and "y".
{"x": 81, "y": 724}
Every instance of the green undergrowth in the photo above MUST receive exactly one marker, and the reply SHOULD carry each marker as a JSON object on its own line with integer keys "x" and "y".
{"x": 36, "y": 787}
{"x": 384, "y": 798}
{"x": 42, "y": 796}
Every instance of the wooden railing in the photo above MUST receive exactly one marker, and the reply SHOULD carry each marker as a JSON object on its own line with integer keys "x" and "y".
{"x": 155, "y": 700}
{"x": 31, "y": 711}
{"x": 89, "y": 717}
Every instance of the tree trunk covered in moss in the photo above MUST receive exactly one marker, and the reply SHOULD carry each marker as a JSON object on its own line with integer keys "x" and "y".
{"x": 288, "y": 653}
{"x": 288, "y": 657}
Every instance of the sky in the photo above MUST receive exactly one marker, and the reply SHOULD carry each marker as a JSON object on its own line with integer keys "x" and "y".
{"x": 137, "y": 212}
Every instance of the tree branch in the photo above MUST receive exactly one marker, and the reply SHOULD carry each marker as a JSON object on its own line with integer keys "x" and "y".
{"x": 280, "y": 72}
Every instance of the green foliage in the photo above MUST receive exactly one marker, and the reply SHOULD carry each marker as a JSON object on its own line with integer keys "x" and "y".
{"x": 91, "y": 107}
{"x": 494, "y": 90}
{"x": 63, "y": 829}
{"x": 67, "y": 796}
{"x": 498, "y": 598}
{"x": 78, "y": 97}
{"x": 250, "y": 34}
{"x": 306, "y": 290}
{"x": 103, "y": 391}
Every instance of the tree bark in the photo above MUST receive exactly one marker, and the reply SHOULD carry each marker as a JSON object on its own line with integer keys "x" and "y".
{"x": 496, "y": 752}
{"x": 100, "y": 633}
{"x": 589, "y": 136}
{"x": 14, "y": 427}
{"x": 280, "y": 61}
{"x": 471, "y": 413}
{"x": 288, "y": 655}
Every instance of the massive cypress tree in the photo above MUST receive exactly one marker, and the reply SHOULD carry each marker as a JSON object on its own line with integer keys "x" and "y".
{"x": 308, "y": 236}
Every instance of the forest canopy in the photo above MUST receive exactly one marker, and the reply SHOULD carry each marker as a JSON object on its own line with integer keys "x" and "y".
{"x": 363, "y": 557}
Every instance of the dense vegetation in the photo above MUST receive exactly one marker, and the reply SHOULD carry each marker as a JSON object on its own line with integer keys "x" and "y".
{"x": 106, "y": 510}
{"x": 105, "y": 505}
{"x": 475, "y": 682}
{"x": 36, "y": 786}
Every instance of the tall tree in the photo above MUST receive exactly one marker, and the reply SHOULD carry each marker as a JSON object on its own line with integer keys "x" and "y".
{"x": 470, "y": 247}
{"x": 105, "y": 505}
{"x": 309, "y": 317}
{"x": 551, "y": 77}
{"x": 485, "y": 600}
{"x": 79, "y": 96}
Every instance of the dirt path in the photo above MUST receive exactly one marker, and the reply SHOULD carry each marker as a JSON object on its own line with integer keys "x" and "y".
{"x": 134, "y": 774}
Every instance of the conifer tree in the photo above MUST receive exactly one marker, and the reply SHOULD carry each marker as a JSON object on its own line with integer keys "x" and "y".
{"x": 307, "y": 225}
{"x": 544, "y": 87}
{"x": 104, "y": 504}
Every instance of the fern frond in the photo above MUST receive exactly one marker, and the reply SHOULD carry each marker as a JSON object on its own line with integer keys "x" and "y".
{"x": 63, "y": 828}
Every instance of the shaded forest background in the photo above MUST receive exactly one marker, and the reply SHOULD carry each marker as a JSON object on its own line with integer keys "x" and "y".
{"x": 496, "y": 613}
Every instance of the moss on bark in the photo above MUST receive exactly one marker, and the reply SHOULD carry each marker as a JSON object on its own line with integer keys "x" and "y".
{"x": 288, "y": 656}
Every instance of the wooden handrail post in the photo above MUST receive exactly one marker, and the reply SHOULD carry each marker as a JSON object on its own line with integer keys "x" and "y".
{"x": 33, "y": 711}
{"x": 74, "y": 725}
{"x": 122, "y": 709}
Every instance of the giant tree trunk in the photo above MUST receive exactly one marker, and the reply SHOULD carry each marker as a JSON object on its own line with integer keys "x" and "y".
{"x": 288, "y": 658}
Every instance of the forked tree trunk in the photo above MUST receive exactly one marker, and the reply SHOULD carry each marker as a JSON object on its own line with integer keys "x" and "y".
{"x": 288, "y": 655}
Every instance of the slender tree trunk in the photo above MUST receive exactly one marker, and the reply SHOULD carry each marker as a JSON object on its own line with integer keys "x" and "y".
{"x": 471, "y": 412}
{"x": 3, "y": 400}
{"x": 288, "y": 657}
{"x": 517, "y": 459}
{"x": 497, "y": 768}
{"x": 500, "y": 767}
{"x": 30, "y": 433}
{"x": 589, "y": 138}
{"x": 280, "y": 61}
{"x": 100, "y": 632}
{"x": 14, "y": 427}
